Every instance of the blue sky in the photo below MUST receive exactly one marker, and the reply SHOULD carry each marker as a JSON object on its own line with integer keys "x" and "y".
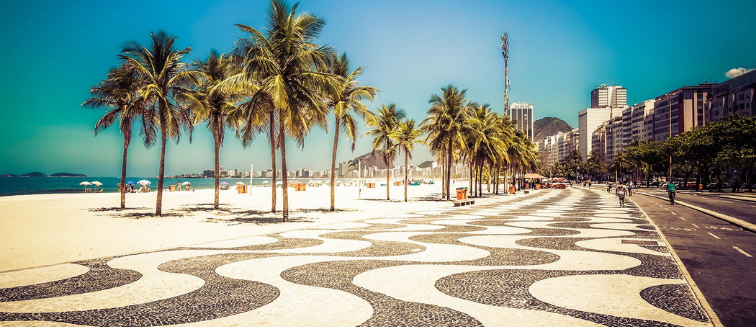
{"x": 54, "y": 51}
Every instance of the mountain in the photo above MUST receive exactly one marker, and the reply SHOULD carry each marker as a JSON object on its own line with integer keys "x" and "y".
{"x": 369, "y": 159}
{"x": 548, "y": 126}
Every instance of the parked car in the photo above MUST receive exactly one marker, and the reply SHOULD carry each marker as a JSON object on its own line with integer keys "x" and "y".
{"x": 654, "y": 183}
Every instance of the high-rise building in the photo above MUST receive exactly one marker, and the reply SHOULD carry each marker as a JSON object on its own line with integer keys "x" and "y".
{"x": 588, "y": 121}
{"x": 522, "y": 114}
{"x": 680, "y": 110}
{"x": 734, "y": 96}
{"x": 609, "y": 97}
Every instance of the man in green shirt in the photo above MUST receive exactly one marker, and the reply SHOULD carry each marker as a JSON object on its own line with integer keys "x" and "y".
{"x": 671, "y": 192}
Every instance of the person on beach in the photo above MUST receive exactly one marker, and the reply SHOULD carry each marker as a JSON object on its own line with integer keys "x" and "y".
{"x": 178, "y": 187}
{"x": 589, "y": 184}
{"x": 621, "y": 192}
{"x": 630, "y": 188}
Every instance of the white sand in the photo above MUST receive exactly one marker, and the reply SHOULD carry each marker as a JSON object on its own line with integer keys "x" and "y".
{"x": 40, "y": 230}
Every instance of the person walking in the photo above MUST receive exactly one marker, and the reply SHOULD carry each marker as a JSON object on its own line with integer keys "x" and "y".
{"x": 621, "y": 192}
{"x": 630, "y": 188}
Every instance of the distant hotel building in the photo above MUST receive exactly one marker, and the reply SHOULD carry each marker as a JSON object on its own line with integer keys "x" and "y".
{"x": 680, "y": 110}
{"x": 609, "y": 97}
{"x": 588, "y": 121}
{"x": 556, "y": 148}
{"x": 522, "y": 114}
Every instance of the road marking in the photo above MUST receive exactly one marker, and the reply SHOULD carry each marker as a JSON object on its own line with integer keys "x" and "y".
{"x": 673, "y": 213}
{"x": 683, "y": 218}
{"x": 743, "y": 252}
{"x": 727, "y": 201}
{"x": 717, "y": 237}
{"x": 692, "y": 224}
{"x": 666, "y": 209}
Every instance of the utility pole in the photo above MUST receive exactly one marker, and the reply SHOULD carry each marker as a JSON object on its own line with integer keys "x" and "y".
{"x": 505, "y": 53}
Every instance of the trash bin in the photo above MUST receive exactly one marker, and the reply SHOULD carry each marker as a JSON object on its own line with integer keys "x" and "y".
{"x": 511, "y": 189}
{"x": 465, "y": 192}
{"x": 173, "y": 188}
{"x": 460, "y": 194}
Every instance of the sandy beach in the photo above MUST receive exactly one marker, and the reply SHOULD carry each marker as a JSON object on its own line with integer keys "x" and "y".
{"x": 41, "y": 230}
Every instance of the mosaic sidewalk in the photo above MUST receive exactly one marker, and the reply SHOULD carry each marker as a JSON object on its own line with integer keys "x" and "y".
{"x": 551, "y": 258}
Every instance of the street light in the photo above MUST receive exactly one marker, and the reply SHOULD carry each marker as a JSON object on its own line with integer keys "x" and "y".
{"x": 505, "y": 52}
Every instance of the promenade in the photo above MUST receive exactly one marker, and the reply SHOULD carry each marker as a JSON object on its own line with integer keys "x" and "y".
{"x": 549, "y": 258}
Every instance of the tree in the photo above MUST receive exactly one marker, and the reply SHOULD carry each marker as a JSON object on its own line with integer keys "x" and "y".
{"x": 165, "y": 77}
{"x": 406, "y": 135}
{"x": 346, "y": 101}
{"x": 444, "y": 124}
{"x": 215, "y": 103}
{"x": 291, "y": 71}
{"x": 119, "y": 92}
{"x": 594, "y": 166}
{"x": 385, "y": 124}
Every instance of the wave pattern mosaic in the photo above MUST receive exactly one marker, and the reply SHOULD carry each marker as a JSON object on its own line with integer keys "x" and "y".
{"x": 551, "y": 258}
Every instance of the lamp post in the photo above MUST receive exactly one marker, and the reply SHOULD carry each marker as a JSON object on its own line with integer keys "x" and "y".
{"x": 505, "y": 53}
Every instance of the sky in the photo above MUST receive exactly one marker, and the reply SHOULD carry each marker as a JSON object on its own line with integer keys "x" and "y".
{"x": 54, "y": 51}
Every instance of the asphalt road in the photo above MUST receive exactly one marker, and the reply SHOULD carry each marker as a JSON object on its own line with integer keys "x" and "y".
{"x": 744, "y": 210}
{"x": 720, "y": 257}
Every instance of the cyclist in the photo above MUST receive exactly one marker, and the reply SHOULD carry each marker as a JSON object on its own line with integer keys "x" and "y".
{"x": 671, "y": 192}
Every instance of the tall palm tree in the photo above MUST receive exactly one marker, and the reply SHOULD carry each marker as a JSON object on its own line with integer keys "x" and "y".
{"x": 384, "y": 124}
{"x": 346, "y": 102}
{"x": 444, "y": 124}
{"x": 214, "y": 102}
{"x": 165, "y": 77}
{"x": 406, "y": 135}
{"x": 119, "y": 93}
{"x": 290, "y": 68}
{"x": 487, "y": 140}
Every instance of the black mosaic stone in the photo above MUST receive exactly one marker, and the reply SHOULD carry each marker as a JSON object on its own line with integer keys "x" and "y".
{"x": 99, "y": 277}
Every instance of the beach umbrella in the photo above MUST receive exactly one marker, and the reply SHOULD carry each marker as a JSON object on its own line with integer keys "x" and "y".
{"x": 224, "y": 183}
{"x": 185, "y": 183}
{"x": 97, "y": 183}
{"x": 265, "y": 182}
{"x": 239, "y": 183}
{"x": 144, "y": 182}
{"x": 130, "y": 182}
{"x": 85, "y": 183}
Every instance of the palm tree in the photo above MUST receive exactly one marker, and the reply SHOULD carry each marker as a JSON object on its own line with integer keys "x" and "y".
{"x": 384, "y": 124}
{"x": 215, "y": 103}
{"x": 348, "y": 97}
{"x": 165, "y": 77}
{"x": 487, "y": 140}
{"x": 289, "y": 66}
{"x": 406, "y": 135}
{"x": 446, "y": 118}
{"x": 119, "y": 93}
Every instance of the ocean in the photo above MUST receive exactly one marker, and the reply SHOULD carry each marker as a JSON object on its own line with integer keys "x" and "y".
{"x": 41, "y": 185}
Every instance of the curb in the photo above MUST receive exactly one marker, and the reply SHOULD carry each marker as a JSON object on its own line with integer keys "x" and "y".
{"x": 713, "y": 318}
{"x": 732, "y": 220}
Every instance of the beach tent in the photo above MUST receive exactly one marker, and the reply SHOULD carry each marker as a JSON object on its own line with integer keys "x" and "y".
{"x": 533, "y": 176}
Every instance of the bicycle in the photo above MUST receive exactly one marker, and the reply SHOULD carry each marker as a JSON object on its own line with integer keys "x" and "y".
{"x": 671, "y": 197}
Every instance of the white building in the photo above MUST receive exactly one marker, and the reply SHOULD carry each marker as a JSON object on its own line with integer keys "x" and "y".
{"x": 522, "y": 114}
{"x": 588, "y": 120}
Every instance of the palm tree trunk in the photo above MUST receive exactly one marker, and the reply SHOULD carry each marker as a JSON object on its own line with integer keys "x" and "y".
{"x": 471, "y": 176}
{"x": 123, "y": 174}
{"x": 161, "y": 173}
{"x": 216, "y": 175}
{"x": 443, "y": 175}
{"x": 488, "y": 180}
{"x": 273, "y": 159}
{"x": 448, "y": 171}
{"x": 388, "y": 173}
{"x": 333, "y": 166}
{"x": 480, "y": 180}
{"x": 284, "y": 175}
{"x": 406, "y": 174}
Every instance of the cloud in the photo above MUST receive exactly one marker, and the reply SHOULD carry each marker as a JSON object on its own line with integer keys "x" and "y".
{"x": 735, "y": 72}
